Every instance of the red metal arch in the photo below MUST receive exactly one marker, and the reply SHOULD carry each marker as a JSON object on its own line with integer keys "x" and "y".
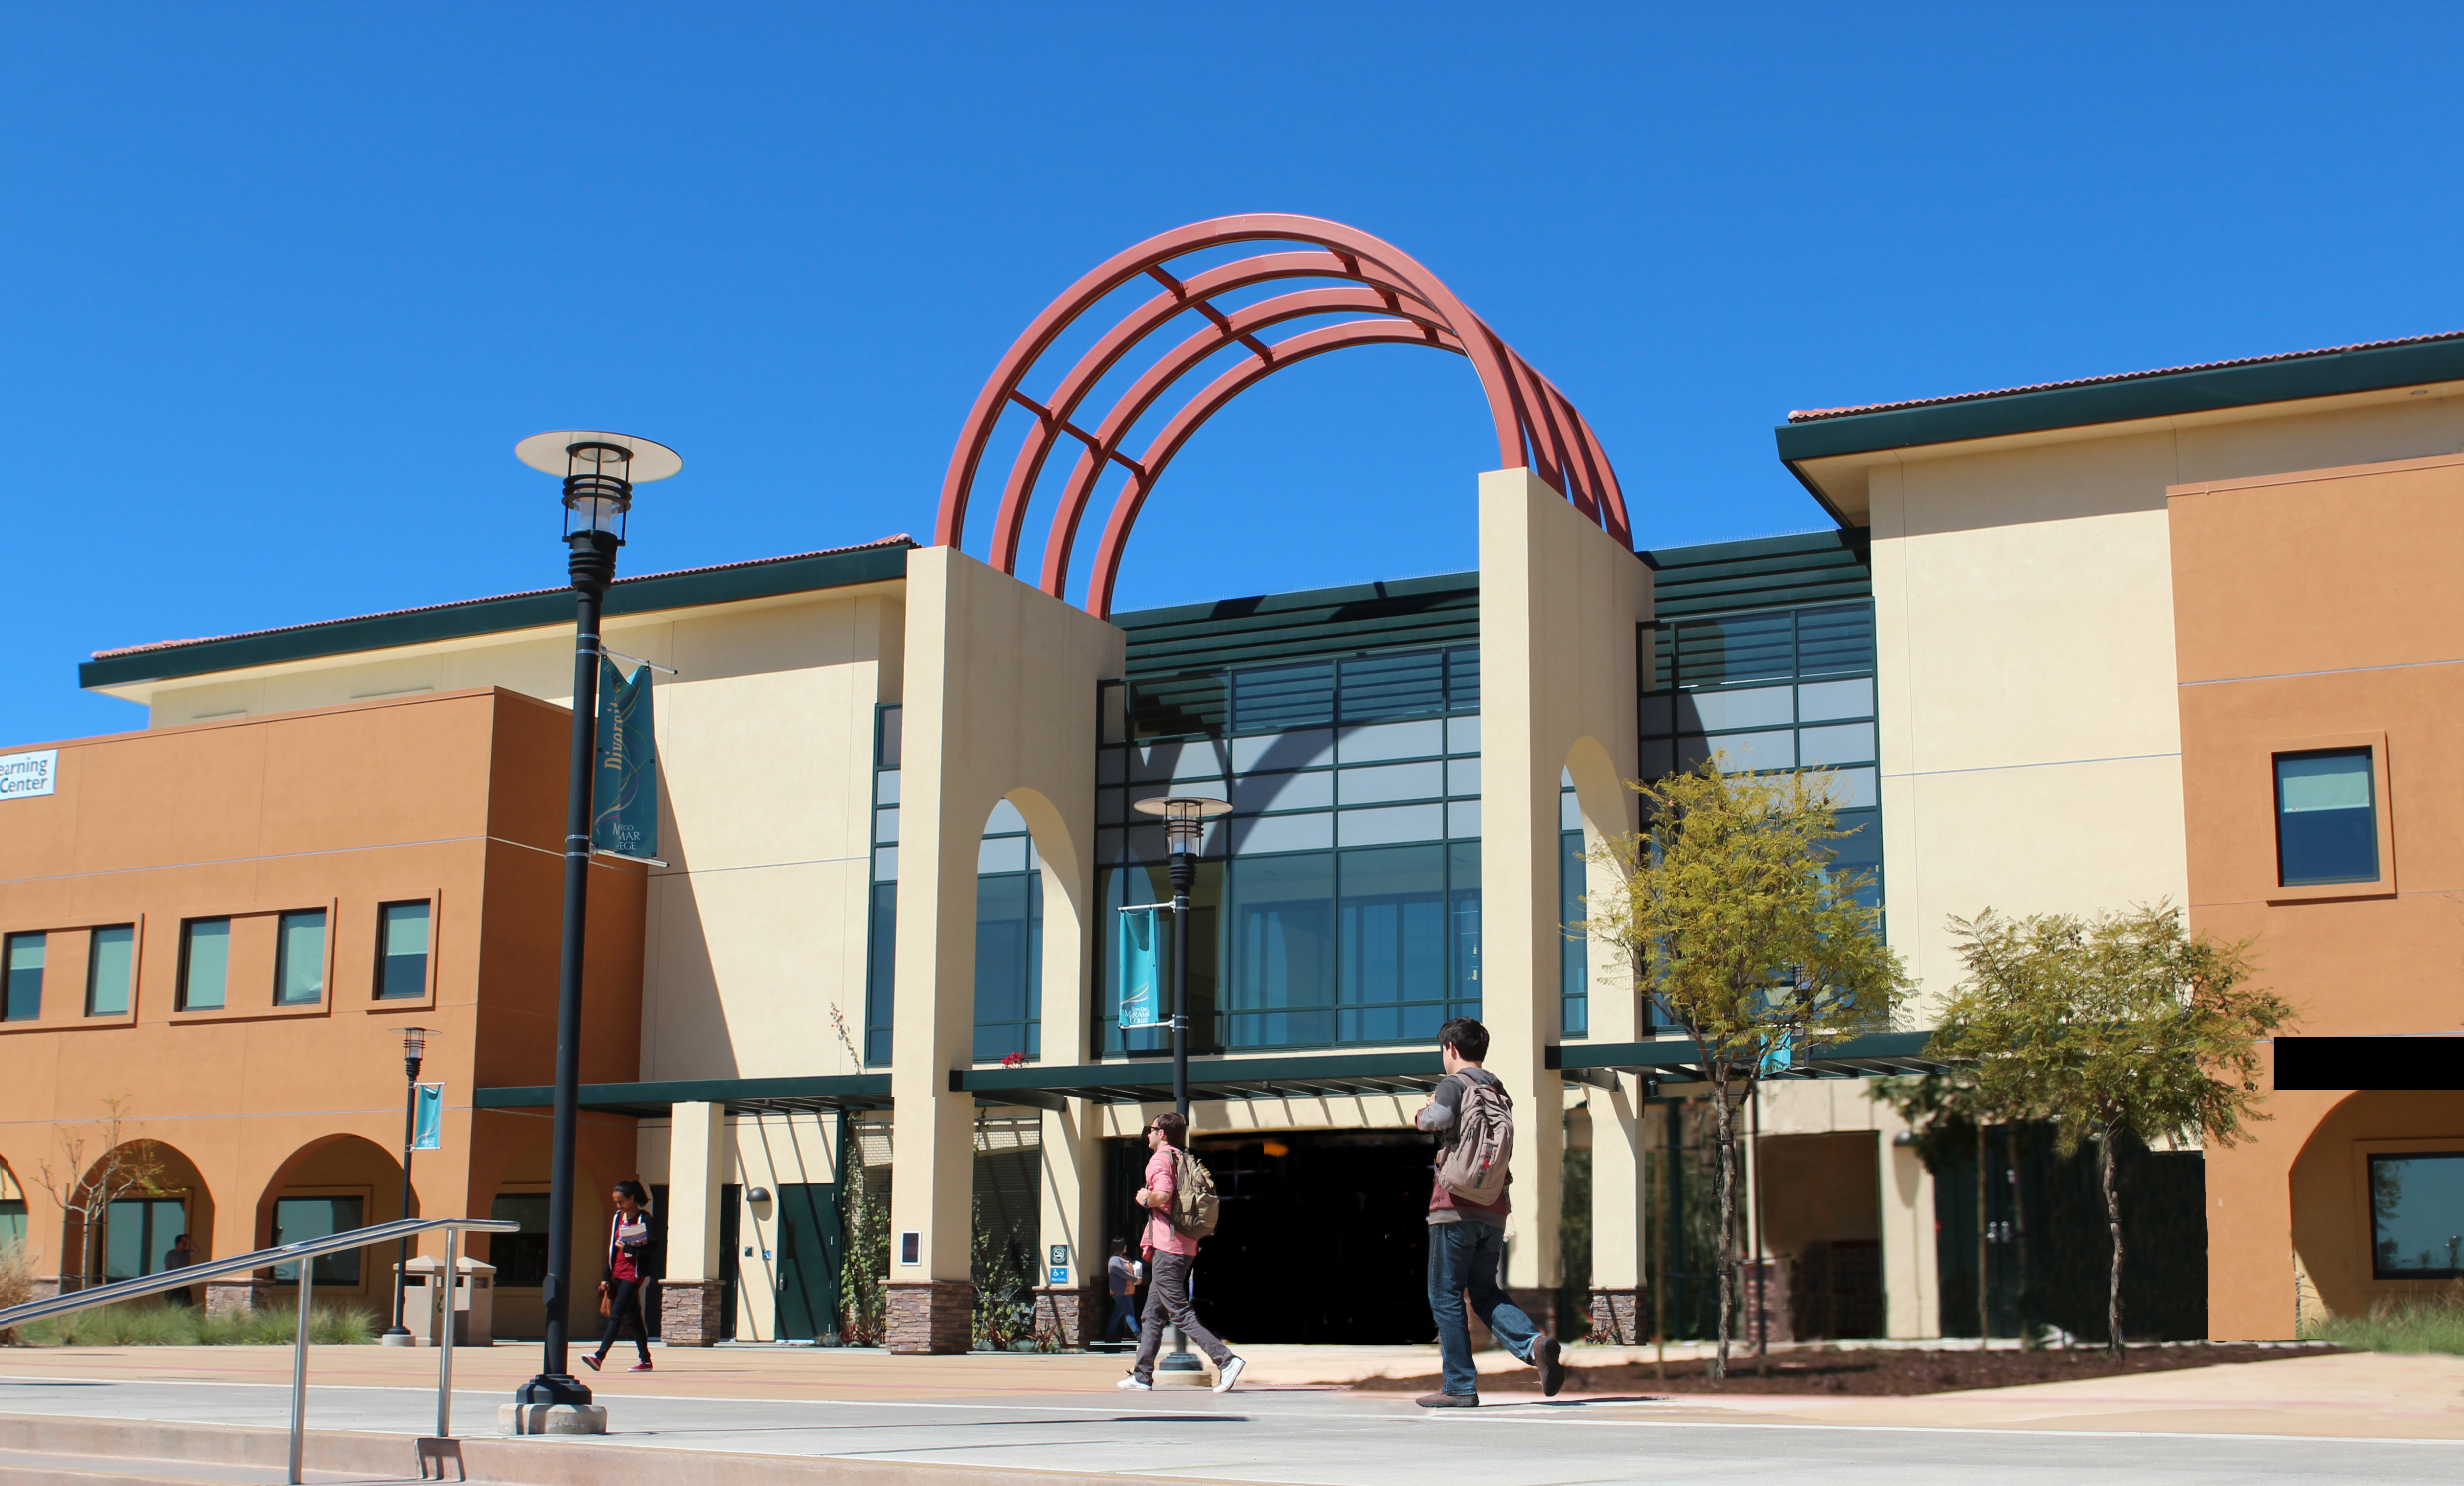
{"x": 1536, "y": 427}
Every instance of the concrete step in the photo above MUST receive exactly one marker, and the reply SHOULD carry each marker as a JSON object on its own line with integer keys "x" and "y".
{"x": 55, "y": 1450}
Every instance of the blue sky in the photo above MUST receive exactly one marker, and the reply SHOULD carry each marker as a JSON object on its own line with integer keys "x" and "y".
{"x": 280, "y": 286}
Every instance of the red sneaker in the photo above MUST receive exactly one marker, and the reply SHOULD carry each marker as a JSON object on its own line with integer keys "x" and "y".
{"x": 591, "y": 1362}
{"x": 644, "y": 1366}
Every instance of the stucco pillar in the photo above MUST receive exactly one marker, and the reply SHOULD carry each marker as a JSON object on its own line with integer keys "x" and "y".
{"x": 690, "y": 1295}
{"x": 1560, "y": 599}
{"x": 1000, "y": 698}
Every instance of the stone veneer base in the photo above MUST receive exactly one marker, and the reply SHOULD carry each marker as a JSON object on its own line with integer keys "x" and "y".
{"x": 932, "y": 1316}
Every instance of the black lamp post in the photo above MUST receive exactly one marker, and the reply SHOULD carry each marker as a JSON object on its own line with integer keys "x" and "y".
{"x": 600, "y": 471}
{"x": 415, "y": 1048}
{"x": 1184, "y": 822}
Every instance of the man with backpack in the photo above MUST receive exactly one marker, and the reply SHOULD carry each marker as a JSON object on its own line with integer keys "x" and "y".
{"x": 1474, "y": 1122}
{"x": 1181, "y": 1198}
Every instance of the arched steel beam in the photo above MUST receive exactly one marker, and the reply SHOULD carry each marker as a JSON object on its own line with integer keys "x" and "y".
{"x": 1496, "y": 382}
{"x": 1196, "y": 296}
{"x": 1204, "y": 406}
{"x": 1103, "y": 446}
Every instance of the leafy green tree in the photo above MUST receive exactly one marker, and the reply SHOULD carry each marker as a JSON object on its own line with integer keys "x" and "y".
{"x": 2121, "y": 1021}
{"x": 1728, "y": 913}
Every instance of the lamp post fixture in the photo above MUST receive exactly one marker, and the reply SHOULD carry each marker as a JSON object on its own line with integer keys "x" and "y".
{"x": 415, "y": 1049}
{"x": 599, "y": 471}
{"x": 1184, "y": 822}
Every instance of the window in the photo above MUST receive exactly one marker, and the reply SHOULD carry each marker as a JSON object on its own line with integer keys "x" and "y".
{"x": 520, "y": 1257}
{"x": 23, "y": 1000}
{"x": 1009, "y": 940}
{"x": 296, "y": 1218}
{"x": 401, "y": 951}
{"x": 2417, "y": 1216}
{"x": 138, "y": 1232}
{"x": 110, "y": 970}
{"x": 205, "y": 963}
{"x": 13, "y": 1222}
{"x": 2326, "y": 817}
{"x": 300, "y": 958}
{"x": 1574, "y": 955}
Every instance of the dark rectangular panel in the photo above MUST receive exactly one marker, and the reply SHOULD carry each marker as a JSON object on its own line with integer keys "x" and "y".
{"x": 2431, "y": 1062}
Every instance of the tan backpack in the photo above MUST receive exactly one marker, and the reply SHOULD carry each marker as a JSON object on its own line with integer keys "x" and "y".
{"x": 1194, "y": 1207}
{"x": 1473, "y": 1169}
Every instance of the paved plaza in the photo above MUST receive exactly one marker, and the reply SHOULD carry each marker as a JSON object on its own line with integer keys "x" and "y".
{"x": 2313, "y": 1419}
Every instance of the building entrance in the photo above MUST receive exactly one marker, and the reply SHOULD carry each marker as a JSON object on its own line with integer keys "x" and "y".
{"x": 1324, "y": 1236}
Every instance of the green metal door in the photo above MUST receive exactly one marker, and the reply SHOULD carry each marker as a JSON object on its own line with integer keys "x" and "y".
{"x": 810, "y": 1244}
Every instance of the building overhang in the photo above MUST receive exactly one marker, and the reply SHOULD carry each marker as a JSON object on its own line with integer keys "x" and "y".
{"x": 816, "y": 1095}
{"x": 1681, "y": 1060}
{"x": 135, "y": 674}
{"x": 1830, "y": 451}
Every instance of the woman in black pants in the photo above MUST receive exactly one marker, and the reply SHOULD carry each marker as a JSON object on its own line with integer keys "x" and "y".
{"x": 620, "y": 1285}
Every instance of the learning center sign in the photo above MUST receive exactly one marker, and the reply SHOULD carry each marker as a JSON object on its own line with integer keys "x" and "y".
{"x": 23, "y": 775}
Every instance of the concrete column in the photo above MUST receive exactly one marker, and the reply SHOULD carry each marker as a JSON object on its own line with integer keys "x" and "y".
{"x": 1560, "y": 603}
{"x": 688, "y": 1297}
{"x": 999, "y": 697}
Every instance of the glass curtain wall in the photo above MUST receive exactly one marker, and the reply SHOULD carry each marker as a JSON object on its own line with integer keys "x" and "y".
{"x": 1009, "y": 921}
{"x": 1781, "y": 688}
{"x": 1340, "y": 901}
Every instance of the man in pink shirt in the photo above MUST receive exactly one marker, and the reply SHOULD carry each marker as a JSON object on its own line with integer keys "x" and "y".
{"x": 1169, "y": 1253}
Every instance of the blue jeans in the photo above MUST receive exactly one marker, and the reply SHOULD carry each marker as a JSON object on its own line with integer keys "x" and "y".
{"x": 1124, "y": 1313}
{"x": 1463, "y": 1256}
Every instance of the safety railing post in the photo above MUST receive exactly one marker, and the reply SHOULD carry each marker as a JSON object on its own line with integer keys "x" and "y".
{"x": 445, "y": 1338}
{"x": 299, "y": 1373}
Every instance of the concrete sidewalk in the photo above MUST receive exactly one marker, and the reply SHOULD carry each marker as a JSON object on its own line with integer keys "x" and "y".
{"x": 867, "y": 1417}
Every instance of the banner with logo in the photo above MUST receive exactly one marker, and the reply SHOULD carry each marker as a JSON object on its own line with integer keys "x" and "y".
{"x": 625, "y": 820}
{"x": 1142, "y": 967}
{"x": 428, "y": 1118}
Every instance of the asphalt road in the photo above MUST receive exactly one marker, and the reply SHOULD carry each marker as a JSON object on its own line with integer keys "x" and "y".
{"x": 1316, "y": 1438}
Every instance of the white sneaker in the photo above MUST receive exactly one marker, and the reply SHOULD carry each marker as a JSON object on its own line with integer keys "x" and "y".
{"x": 1229, "y": 1374}
{"x": 1131, "y": 1385}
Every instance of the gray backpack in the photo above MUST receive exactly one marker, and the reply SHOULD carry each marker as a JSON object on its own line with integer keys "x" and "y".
{"x": 1473, "y": 1167}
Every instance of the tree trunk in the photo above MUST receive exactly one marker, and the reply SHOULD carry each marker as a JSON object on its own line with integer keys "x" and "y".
{"x": 1727, "y": 1245}
{"x": 1983, "y": 1291}
{"x": 2113, "y": 1226}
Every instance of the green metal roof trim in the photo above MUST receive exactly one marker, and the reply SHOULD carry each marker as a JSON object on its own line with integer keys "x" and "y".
{"x": 1306, "y": 1076}
{"x": 764, "y": 577}
{"x": 1881, "y": 1053}
{"x": 1770, "y": 572}
{"x": 1410, "y": 613}
{"x": 2154, "y": 395}
{"x": 838, "y": 1091}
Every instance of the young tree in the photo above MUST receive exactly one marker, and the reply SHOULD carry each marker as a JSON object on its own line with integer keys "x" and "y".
{"x": 1727, "y": 912}
{"x": 2119, "y": 1022}
{"x": 126, "y": 1167}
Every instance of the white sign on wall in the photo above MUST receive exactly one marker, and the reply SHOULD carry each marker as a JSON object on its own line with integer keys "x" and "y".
{"x": 26, "y": 775}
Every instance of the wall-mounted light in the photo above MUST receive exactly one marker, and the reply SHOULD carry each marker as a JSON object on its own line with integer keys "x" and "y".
{"x": 757, "y": 1196}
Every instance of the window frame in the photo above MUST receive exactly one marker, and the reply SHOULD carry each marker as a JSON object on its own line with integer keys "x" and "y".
{"x": 2274, "y": 889}
{"x": 2365, "y": 1232}
{"x": 8, "y": 972}
{"x": 375, "y": 999}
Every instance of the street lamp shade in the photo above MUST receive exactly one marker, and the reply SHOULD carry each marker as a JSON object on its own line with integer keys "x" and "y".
{"x": 1184, "y": 817}
{"x": 414, "y": 1043}
{"x": 599, "y": 471}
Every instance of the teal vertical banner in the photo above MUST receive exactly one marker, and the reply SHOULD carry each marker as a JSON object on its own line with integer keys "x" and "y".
{"x": 428, "y": 1118}
{"x": 1142, "y": 968}
{"x": 625, "y": 820}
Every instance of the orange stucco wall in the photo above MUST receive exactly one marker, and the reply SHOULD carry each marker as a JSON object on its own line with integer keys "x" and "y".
{"x": 2322, "y": 609}
{"x": 455, "y": 798}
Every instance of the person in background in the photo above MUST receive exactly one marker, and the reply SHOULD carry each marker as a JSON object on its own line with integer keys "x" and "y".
{"x": 1122, "y": 1273}
{"x": 620, "y": 1283}
{"x": 1466, "y": 1239}
{"x": 1169, "y": 1256}
{"x": 182, "y": 1253}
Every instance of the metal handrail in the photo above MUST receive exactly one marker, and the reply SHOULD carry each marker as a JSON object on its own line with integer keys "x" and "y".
{"x": 305, "y": 1249}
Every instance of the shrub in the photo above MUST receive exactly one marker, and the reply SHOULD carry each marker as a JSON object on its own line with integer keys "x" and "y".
{"x": 156, "y": 1324}
{"x": 2412, "y": 1323}
{"x": 16, "y": 1284}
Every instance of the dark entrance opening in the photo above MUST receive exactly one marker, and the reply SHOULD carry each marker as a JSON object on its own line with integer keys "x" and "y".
{"x": 1324, "y": 1236}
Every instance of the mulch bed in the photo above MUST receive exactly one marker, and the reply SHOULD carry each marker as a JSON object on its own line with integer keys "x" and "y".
{"x": 1884, "y": 1371}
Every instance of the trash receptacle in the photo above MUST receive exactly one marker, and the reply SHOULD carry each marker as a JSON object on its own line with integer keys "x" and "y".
{"x": 474, "y": 1305}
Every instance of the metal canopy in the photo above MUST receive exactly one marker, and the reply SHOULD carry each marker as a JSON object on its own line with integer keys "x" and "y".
{"x": 1140, "y": 1081}
{"x": 1680, "y": 1059}
{"x": 740, "y": 1096}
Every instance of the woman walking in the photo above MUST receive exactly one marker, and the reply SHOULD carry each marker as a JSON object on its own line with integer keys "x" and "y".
{"x": 620, "y": 1283}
